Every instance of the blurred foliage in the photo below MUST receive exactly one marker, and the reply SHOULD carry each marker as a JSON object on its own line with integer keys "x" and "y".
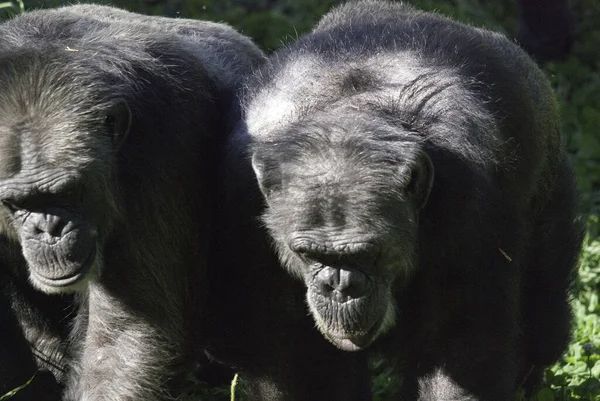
{"x": 576, "y": 80}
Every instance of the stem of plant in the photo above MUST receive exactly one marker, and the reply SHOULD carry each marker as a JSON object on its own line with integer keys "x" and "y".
{"x": 234, "y": 383}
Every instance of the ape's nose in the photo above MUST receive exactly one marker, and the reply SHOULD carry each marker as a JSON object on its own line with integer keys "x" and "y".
{"x": 341, "y": 283}
{"x": 50, "y": 224}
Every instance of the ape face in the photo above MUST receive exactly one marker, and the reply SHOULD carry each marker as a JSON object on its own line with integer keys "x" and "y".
{"x": 343, "y": 199}
{"x": 56, "y": 161}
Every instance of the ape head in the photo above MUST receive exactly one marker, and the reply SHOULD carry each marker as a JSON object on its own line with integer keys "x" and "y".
{"x": 59, "y": 138}
{"x": 344, "y": 190}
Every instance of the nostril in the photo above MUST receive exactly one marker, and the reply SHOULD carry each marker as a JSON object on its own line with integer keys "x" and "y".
{"x": 327, "y": 280}
{"x": 325, "y": 289}
{"x": 46, "y": 225}
{"x": 53, "y": 225}
{"x": 353, "y": 283}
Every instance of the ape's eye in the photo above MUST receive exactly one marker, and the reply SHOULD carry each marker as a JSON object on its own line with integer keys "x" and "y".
{"x": 324, "y": 259}
{"x": 414, "y": 176}
{"x": 109, "y": 123}
{"x": 117, "y": 121}
{"x": 10, "y": 205}
{"x": 68, "y": 195}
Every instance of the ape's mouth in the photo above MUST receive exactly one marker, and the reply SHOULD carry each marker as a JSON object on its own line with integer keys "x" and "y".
{"x": 63, "y": 277}
{"x": 355, "y": 342}
{"x": 355, "y": 324}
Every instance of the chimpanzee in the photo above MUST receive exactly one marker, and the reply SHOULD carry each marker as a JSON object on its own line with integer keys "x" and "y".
{"x": 109, "y": 123}
{"x": 415, "y": 182}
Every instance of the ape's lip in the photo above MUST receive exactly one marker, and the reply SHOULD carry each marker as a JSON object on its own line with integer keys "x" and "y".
{"x": 68, "y": 279}
{"x": 351, "y": 343}
{"x": 355, "y": 342}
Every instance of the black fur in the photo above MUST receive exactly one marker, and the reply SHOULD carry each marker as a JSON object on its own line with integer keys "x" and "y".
{"x": 109, "y": 123}
{"x": 546, "y": 28}
{"x": 19, "y": 361}
{"x": 416, "y": 183}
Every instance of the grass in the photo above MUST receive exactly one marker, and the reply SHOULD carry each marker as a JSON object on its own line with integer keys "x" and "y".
{"x": 13, "y": 7}
{"x": 576, "y": 376}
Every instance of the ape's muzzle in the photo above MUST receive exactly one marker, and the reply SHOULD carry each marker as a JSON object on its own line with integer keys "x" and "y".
{"x": 349, "y": 306}
{"x": 59, "y": 247}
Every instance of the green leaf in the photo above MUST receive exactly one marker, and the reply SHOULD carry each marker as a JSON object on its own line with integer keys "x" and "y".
{"x": 545, "y": 394}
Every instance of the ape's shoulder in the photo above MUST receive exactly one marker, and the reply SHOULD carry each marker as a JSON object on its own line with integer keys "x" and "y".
{"x": 372, "y": 27}
{"x": 366, "y": 12}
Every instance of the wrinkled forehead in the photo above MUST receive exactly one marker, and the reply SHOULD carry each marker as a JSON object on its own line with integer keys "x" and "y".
{"x": 45, "y": 81}
{"x": 311, "y": 83}
{"x": 47, "y": 114}
{"x": 31, "y": 139}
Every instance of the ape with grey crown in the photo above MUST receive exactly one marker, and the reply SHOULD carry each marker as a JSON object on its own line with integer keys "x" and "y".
{"x": 108, "y": 125}
{"x": 415, "y": 181}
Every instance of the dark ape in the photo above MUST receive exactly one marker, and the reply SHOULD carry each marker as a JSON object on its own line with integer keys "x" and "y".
{"x": 108, "y": 124}
{"x": 546, "y": 28}
{"x": 415, "y": 181}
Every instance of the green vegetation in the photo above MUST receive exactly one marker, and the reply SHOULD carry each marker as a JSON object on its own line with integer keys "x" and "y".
{"x": 14, "y": 6}
{"x": 577, "y": 84}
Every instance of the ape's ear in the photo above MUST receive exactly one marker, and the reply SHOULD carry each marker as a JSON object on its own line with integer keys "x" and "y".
{"x": 267, "y": 175}
{"x": 421, "y": 179}
{"x": 118, "y": 121}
